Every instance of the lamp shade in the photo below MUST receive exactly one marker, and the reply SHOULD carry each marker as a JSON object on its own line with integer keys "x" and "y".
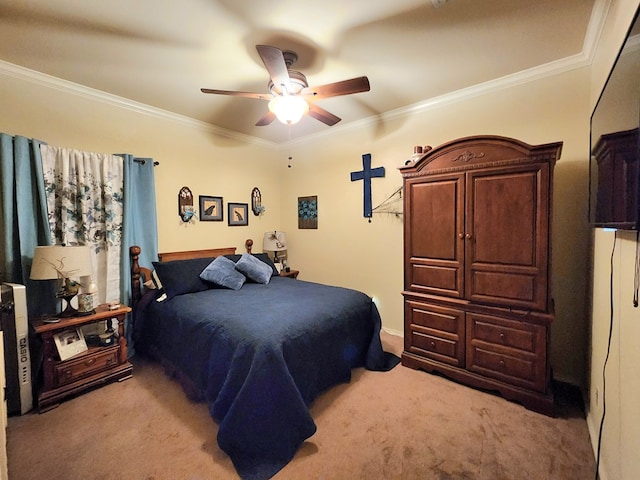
{"x": 274, "y": 241}
{"x": 289, "y": 109}
{"x": 52, "y": 262}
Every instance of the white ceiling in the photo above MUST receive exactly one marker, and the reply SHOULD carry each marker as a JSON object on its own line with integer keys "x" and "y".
{"x": 161, "y": 52}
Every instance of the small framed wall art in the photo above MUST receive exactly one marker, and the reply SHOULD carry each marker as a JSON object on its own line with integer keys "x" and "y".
{"x": 238, "y": 214}
{"x": 211, "y": 209}
{"x": 308, "y": 212}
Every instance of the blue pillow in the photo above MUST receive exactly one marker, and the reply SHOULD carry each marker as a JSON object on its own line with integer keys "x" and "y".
{"x": 260, "y": 256}
{"x": 254, "y": 269}
{"x": 181, "y": 276}
{"x": 222, "y": 271}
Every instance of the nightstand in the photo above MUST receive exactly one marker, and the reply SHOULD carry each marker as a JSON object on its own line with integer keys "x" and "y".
{"x": 95, "y": 367}
{"x": 290, "y": 273}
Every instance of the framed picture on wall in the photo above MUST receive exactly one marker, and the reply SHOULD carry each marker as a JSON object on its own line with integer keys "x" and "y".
{"x": 238, "y": 214}
{"x": 308, "y": 212}
{"x": 211, "y": 209}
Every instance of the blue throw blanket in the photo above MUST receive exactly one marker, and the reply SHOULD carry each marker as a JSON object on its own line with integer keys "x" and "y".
{"x": 260, "y": 355}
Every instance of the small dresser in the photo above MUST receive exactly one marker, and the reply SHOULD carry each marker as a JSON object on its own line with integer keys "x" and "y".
{"x": 94, "y": 367}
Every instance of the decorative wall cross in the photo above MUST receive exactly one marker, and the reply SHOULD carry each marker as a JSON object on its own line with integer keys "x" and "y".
{"x": 366, "y": 174}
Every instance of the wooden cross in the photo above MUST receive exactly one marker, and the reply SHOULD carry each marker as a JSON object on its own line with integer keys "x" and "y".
{"x": 366, "y": 174}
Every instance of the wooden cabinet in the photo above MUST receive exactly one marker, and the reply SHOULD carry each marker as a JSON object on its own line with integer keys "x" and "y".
{"x": 477, "y": 241}
{"x": 94, "y": 367}
{"x": 617, "y": 161}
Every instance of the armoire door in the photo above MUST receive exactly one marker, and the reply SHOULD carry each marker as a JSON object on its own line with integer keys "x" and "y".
{"x": 434, "y": 245}
{"x": 506, "y": 236}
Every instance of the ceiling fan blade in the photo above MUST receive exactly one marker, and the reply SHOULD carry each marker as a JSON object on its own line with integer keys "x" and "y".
{"x": 266, "y": 119}
{"x": 345, "y": 87}
{"x": 273, "y": 60}
{"x": 321, "y": 114}
{"x": 261, "y": 96}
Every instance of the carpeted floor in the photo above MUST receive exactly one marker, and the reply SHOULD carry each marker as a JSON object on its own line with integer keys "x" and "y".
{"x": 402, "y": 424}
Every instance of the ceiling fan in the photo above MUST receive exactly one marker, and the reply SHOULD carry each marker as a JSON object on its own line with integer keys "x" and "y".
{"x": 290, "y": 96}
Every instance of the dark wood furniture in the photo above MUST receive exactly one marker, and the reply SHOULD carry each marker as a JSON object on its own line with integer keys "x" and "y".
{"x": 477, "y": 218}
{"x": 290, "y": 273}
{"x": 617, "y": 157}
{"x": 95, "y": 367}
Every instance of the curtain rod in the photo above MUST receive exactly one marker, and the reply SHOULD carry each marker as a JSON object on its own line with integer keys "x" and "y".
{"x": 143, "y": 161}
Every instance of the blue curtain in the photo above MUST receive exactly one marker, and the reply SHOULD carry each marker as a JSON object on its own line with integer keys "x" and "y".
{"x": 23, "y": 217}
{"x": 140, "y": 225}
{"x": 24, "y": 223}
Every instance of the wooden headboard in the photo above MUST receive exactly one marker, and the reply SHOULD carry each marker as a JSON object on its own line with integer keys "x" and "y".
{"x": 187, "y": 254}
{"x": 137, "y": 270}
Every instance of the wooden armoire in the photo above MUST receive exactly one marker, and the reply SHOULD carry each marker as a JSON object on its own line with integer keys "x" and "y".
{"x": 477, "y": 242}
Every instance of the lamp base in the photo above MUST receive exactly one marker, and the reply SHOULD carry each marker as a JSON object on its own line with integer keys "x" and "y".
{"x": 69, "y": 311}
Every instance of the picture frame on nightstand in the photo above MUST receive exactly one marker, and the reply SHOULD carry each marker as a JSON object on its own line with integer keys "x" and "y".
{"x": 70, "y": 343}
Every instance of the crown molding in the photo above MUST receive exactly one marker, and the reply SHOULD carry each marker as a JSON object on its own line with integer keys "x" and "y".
{"x": 49, "y": 81}
{"x": 592, "y": 37}
{"x": 583, "y": 59}
{"x": 523, "y": 77}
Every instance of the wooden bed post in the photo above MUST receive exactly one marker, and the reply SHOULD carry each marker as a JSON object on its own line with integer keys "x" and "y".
{"x": 136, "y": 290}
{"x": 248, "y": 244}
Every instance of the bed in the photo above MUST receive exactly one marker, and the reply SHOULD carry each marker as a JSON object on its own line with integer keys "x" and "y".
{"x": 258, "y": 354}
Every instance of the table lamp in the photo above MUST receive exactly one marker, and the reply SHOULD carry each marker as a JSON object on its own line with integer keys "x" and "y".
{"x": 61, "y": 263}
{"x": 275, "y": 242}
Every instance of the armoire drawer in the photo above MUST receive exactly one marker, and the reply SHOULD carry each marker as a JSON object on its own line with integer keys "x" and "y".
{"x": 435, "y": 332}
{"x": 507, "y": 350}
{"x": 525, "y": 336}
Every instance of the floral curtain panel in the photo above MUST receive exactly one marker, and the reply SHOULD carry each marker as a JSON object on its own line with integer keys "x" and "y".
{"x": 84, "y": 193}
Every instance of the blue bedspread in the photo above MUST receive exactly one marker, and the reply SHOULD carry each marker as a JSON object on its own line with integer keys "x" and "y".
{"x": 260, "y": 355}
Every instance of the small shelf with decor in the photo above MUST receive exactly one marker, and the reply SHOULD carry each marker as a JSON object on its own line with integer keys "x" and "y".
{"x": 94, "y": 365}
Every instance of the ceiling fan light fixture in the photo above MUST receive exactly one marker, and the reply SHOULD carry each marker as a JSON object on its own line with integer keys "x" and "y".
{"x": 289, "y": 109}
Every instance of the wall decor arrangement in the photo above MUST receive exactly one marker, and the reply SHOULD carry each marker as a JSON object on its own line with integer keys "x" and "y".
{"x": 185, "y": 204}
{"x": 256, "y": 202}
{"x": 211, "y": 209}
{"x": 366, "y": 174}
{"x": 238, "y": 214}
{"x": 308, "y": 212}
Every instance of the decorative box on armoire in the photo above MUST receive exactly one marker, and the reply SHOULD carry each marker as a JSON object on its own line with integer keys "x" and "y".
{"x": 477, "y": 240}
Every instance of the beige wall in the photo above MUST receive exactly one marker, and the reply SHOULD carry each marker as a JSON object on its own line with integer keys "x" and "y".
{"x": 189, "y": 154}
{"x": 621, "y": 433}
{"x": 345, "y": 250}
{"x": 348, "y": 250}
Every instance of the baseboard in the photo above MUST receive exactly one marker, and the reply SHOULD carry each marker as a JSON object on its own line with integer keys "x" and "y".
{"x": 395, "y": 333}
{"x": 593, "y": 425}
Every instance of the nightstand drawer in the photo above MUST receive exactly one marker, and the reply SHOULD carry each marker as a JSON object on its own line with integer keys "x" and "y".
{"x": 72, "y": 370}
